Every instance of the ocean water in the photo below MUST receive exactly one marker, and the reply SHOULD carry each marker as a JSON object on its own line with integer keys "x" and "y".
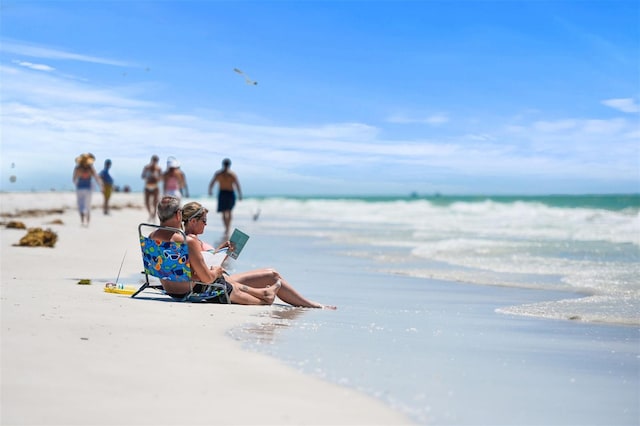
{"x": 459, "y": 310}
{"x": 586, "y": 244}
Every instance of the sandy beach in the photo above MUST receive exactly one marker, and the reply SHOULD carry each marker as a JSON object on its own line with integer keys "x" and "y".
{"x": 75, "y": 355}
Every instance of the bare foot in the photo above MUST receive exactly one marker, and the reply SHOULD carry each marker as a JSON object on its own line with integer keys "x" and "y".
{"x": 317, "y": 305}
{"x": 273, "y": 289}
{"x": 269, "y": 293}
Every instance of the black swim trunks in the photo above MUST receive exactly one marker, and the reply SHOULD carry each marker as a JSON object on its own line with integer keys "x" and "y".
{"x": 226, "y": 200}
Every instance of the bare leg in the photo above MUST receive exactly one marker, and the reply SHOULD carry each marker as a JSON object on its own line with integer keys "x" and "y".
{"x": 245, "y": 295}
{"x": 154, "y": 205}
{"x": 226, "y": 221}
{"x": 151, "y": 201}
{"x": 147, "y": 199}
{"x": 261, "y": 278}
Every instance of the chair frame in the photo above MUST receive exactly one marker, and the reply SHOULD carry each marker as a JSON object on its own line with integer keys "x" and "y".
{"x": 169, "y": 260}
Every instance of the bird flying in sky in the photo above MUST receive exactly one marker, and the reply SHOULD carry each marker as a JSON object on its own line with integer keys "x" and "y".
{"x": 246, "y": 77}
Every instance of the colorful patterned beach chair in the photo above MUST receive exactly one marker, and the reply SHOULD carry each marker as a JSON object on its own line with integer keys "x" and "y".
{"x": 169, "y": 260}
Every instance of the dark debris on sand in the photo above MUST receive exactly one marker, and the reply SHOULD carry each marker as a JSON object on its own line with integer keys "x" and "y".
{"x": 37, "y": 237}
{"x": 14, "y": 224}
{"x": 33, "y": 213}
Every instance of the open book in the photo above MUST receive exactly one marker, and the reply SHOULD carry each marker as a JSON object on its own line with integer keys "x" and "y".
{"x": 238, "y": 240}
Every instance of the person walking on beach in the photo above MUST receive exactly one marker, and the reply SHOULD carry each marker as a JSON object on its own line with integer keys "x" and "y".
{"x": 174, "y": 181}
{"x": 107, "y": 185}
{"x": 83, "y": 174}
{"x": 152, "y": 173}
{"x": 194, "y": 220}
{"x": 228, "y": 184}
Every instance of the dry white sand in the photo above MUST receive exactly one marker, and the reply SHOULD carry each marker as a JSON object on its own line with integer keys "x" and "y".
{"x": 75, "y": 355}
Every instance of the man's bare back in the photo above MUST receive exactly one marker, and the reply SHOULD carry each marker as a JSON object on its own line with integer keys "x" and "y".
{"x": 226, "y": 179}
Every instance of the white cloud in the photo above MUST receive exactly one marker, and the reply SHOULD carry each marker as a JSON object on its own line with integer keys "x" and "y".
{"x": 24, "y": 49}
{"x": 432, "y": 120}
{"x": 623, "y": 104}
{"x": 37, "y": 67}
{"x": 45, "y": 89}
{"x": 555, "y": 126}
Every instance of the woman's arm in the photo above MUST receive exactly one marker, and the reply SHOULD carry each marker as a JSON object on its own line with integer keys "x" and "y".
{"x": 202, "y": 272}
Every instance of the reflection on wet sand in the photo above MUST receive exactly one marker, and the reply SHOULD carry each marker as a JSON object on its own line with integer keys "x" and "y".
{"x": 265, "y": 333}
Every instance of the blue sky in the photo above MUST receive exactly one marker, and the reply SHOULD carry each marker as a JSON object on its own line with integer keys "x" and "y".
{"x": 353, "y": 97}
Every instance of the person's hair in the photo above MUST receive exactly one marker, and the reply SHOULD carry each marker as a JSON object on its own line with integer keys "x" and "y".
{"x": 167, "y": 207}
{"x": 193, "y": 210}
{"x": 155, "y": 158}
{"x": 226, "y": 162}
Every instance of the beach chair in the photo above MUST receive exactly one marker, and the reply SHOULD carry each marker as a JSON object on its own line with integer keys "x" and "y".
{"x": 169, "y": 260}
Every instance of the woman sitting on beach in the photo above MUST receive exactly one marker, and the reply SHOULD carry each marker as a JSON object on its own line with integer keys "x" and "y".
{"x": 258, "y": 287}
{"x": 194, "y": 218}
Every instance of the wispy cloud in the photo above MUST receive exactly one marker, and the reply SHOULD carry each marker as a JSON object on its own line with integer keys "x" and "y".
{"x": 35, "y": 51}
{"x": 623, "y": 104}
{"x": 46, "y": 89}
{"x": 37, "y": 67}
{"x": 404, "y": 118}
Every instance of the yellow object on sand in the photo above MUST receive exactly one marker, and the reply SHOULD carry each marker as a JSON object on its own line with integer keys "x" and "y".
{"x": 119, "y": 289}
{"x": 84, "y": 281}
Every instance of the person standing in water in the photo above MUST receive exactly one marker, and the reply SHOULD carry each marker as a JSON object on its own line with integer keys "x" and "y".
{"x": 228, "y": 185}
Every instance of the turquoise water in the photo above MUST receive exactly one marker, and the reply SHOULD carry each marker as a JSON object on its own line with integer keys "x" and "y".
{"x": 588, "y": 244}
{"x": 606, "y": 202}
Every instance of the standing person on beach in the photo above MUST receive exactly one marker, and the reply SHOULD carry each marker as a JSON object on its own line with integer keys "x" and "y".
{"x": 194, "y": 219}
{"x": 152, "y": 173}
{"x": 83, "y": 174}
{"x": 107, "y": 185}
{"x": 228, "y": 184}
{"x": 173, "y": 180}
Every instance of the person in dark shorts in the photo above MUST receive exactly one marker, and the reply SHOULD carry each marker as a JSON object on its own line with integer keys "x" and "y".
{"x": 228, "y": 185}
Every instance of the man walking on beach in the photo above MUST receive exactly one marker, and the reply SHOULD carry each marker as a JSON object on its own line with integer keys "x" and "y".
{"x": 228, "y": 182}
{"x": 107, "y": 185}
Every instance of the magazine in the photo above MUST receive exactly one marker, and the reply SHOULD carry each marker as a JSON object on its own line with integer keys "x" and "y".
{"x": 238, "y": 240}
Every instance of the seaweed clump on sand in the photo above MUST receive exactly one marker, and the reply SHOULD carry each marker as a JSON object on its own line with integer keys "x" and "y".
{"x": 37, "y": 237}
{"x": 32, "y": 213}
{"x": 14, "y": 224}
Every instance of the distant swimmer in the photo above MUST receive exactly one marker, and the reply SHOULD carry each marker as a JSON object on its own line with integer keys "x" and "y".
{"x": 246, "y": 78}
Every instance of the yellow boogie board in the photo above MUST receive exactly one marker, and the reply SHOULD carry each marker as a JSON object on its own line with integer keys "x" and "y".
{"x": 119, "y": 289}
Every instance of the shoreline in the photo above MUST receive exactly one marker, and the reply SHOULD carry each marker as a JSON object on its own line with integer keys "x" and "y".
{"x": 440, "y": 351}
{"x": 73, "y": 354}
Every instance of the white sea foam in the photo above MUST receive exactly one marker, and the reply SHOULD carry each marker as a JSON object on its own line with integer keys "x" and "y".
{"x": 525, "y": 244}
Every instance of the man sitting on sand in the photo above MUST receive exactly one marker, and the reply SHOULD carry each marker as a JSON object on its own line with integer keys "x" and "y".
{"x": 170, "y": 214}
